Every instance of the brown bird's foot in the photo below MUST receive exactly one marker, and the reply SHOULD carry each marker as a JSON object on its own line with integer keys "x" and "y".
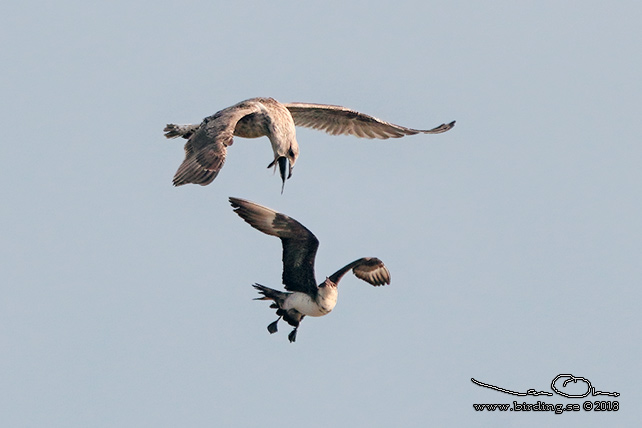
{"x": 292, "y": 335}
{"x": 272, "y": 327}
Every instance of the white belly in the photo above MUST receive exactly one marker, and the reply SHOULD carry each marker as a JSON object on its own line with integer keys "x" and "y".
{"x": 304, "y": 304}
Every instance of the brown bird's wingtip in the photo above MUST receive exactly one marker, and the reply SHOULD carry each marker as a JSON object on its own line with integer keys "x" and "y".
{"x": 441, "y": 128}
{"x": 447, "y": 126}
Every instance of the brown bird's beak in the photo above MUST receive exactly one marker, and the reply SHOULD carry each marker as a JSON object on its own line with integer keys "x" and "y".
{"x": 283, "y": 164}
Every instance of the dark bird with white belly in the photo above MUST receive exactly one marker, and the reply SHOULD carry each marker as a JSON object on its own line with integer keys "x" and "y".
{"x": 207, "y": 142}
{"x": 304, "y": 297}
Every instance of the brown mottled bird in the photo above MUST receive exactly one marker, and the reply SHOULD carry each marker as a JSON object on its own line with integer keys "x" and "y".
{"x": 207, "y": 143}
{"x": 299, "y": 251}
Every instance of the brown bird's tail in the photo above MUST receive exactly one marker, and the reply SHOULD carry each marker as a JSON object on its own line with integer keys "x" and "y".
{"x": 185, "y": 131}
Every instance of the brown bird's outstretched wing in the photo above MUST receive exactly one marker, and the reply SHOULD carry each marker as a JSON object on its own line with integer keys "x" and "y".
{"x": 299, "y": 244}
{"x": 206, "y": 148}
{"x": 337, "y": 120}
{"x": 370, "y": 269}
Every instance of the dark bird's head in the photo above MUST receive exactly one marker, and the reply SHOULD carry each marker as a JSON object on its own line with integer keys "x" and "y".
{"x": 328, "y": 283}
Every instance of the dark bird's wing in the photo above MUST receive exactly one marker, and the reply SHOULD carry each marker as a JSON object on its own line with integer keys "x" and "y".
{"x": 337, "y": 120}
{"x": 299, "y": 244}
{"x": 206, "y": 149}
{"x": 370, "y": 269}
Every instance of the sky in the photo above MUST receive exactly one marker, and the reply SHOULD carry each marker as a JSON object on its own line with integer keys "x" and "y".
{"x": 514, "y": 241}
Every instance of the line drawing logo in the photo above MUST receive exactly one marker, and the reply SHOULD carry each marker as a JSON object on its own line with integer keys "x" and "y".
{"x": 590, "y": 389}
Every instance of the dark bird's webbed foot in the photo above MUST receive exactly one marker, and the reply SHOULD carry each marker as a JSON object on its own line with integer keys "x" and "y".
{"x": 292, "y": 335}
{"x": 272, "y": 327}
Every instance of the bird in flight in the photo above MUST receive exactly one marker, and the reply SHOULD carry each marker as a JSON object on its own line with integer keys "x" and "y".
{"x": 304, "y": 297}
{"x": 207, "y": 142}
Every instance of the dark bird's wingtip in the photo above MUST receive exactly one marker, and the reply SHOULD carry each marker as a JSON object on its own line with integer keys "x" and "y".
{"x": 235, "y": 202}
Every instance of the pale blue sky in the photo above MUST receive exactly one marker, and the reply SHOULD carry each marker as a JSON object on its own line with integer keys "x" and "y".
{"x": 514, "y": 240}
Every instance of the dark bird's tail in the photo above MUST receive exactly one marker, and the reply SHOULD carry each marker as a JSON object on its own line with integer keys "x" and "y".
{"x": 270, "y": 294}
{"x": 292, "y": 317}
